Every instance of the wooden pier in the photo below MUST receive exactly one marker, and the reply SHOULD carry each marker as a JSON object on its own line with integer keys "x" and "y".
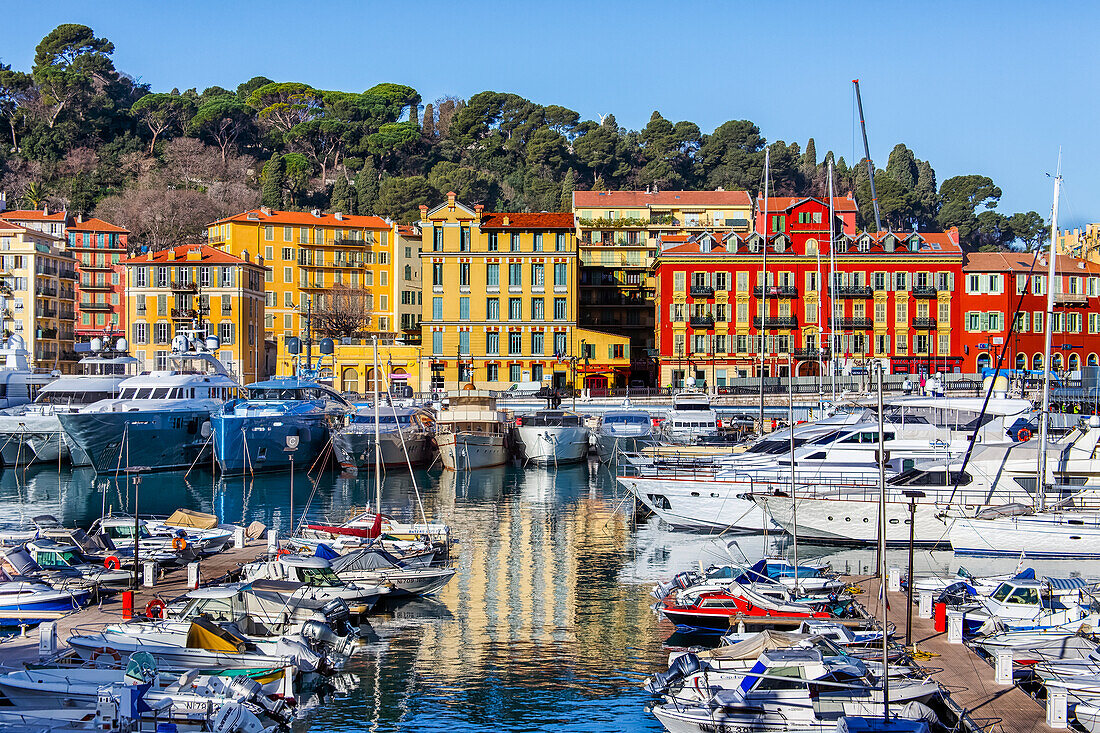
{"x": 966, "y": 678}
{"x": 17, "y": 650}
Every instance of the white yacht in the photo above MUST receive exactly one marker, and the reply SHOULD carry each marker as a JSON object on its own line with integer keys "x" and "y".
{"x": 471, "y": 432}
{"x": 625, "y": 430}
{"x": 19, "y": 384}
{"x": 690, "y": 418}
{"x": 31, "y": 433}
{"x": 838, "y": 463}
{"x": 404, "y": 437}
{"x": 550, "y": 438}
{"x": 161, "y": 419}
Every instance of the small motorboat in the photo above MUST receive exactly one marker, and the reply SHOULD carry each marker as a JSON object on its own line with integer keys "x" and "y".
{"x": 713, "y": 611}
{"x": 62, "y": 566}
{"x": 317, "y": 573}
{"x": 378, "y": 567}
{"x": 550, "y": 438}
{"x": 262, "y": 608}
{"x": 404, "y": 437}
{"x": 623, "y": 431}
{"x": 21, "y": 600}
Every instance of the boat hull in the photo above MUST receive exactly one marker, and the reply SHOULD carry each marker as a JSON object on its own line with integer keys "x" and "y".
{"x": 699, "y": 505}
{"x": 355, "y": 449}
{"x": 35, "y": 444}
{"x": 157, "y": 440}
{"x": 548, "y": 446}
{"x": 855, "y": 521}
{"x": 610, "y": 446}
{"x": 465, "y": 451}
{"x": 245, "y": 443}
{"x": 1011, "y": 536}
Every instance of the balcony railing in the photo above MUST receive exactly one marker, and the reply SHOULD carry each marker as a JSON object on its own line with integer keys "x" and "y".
{"x": 924, "y": 323}
{"x": 854, "y": 291}
{"x": 90, "y": 306}
{"x": 776, "y": 291}
{"x": 184, "y": 287}
{"x": 183, "y": 314}
{"x": 46, "y": 312}
{"x": 702, "y": 322}
{"x": 701, "y": 291}
{"x": 50, "y": 290}
{"x": 804, "y": 353}
{"x": 776, "y": 322}
{"x": 1071, "y": 299}
{"x": 854, "y": 323}
{"x": 924, "y": 292}
{"x": 95, "y": 286}
{"x": 68, "y": 275}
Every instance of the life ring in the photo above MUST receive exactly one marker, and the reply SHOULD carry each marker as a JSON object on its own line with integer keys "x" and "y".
{"x": 179, "y": 543}
{"x": 155, "y": 608}
{"x": 1023, "y": 435}
{"x": 106, "y": 651}
{"x": 112, "y": 563}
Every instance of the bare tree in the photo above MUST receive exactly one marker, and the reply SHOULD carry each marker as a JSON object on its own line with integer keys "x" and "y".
{"x": 160, "y": 218}
{"x": 342, "y": 312}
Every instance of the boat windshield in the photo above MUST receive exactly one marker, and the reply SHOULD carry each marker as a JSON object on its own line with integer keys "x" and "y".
{"x": 1002, "y": 592}
{"x": 691, "y": 406}
{"x": 320, "y": 578}
{"x": 626, "y": 420}
{"x": 72, "y": 398}
{"x": 940, "y": 417}
{"x": 917, "y": 477}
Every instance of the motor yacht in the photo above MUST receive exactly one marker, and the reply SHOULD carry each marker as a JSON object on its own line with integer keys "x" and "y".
{"x": 471, "y": 432}
{"x": 378, "y": 567}
{"x": 691, "y": 417}
{"x": 280, "y": 421}
{"x": 262, "y": 607}
{"x": 550, "y": 438}
{"x": 161, "y": 419}
{"x": 623, "y": 431}
{"x": 404, "y": 437}
{"x": 19, "y": 383}
{"x": 317, "y": 573}
{"x": 31, "y": 433}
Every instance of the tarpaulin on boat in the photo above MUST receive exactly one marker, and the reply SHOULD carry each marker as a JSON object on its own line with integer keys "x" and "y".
{"x": 755, "y": 645}
{"x": 363, "y": 560}
{"x": 192, "y": 519}
{"x": 325, "y": 552}
{"x": 205, "y": 635}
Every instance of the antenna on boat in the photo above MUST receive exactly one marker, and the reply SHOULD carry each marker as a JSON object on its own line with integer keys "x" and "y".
{"x": 1052, "y": 272}
{"x": 867, "y": 153}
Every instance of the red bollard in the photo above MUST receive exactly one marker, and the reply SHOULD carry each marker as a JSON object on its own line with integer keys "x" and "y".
{"x": 939, "y": 616}
{"x": 127, "y": 604}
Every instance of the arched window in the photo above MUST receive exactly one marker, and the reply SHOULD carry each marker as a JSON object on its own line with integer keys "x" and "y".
{"x": 1074, "y": 362}
{"x": 811, "y": 246}
{"x": 408, "y": 273}
{"x": 1037, "y": 362}
{"x": 1021, "y": 361}
{"x": 1056, "y": 362}
{"x": 984, "y": 361}
{"x": 367, "y": 382}
{"x": 349, "y": 380}
{"x": 1093, "y": 361}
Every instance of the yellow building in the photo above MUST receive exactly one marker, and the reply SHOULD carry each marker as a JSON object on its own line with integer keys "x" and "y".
{"x": 407, "y": 296}
{"x": 308, "y": 253}
{"x": 37, "y": 294}
{"x": 1082, "y": 245}
{"x": 197, "y": 286}
{"x": 502, "y": 307}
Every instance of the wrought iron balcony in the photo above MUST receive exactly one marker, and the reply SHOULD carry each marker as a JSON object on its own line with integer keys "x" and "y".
{"x": 776, "y": 291}
{"x": 89, "y": 306}
{"x": 702, "y": 322}
{"x": 1079, "y": 300}
{"x": 804, "y": 353}
{"x": 854, "y": 323}
{"x": 924, "y": 292}
{"x": 184, "y": 287}
{"x": 68, "y": 275}
{"x": 183, "y": 314}
{"x": 701, "y": 291}
{"x": 924, "y": 323}
{"x": 854, "y": 291}
{"x": 776, "y": 322}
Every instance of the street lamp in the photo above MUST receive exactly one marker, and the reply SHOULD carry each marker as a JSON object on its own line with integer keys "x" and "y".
{"x": 913, "y": 496}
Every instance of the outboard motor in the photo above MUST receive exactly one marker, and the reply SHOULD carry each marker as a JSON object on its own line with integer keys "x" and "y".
{"x": 247, "y": 690}
{"x": 338, "y": 616}
{"x": 235, "y": 717}
{"x": 684, "y": 666}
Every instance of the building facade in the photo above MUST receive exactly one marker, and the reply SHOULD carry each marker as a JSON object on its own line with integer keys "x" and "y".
{"x": 408, "y": 297}
{"x": 197, "y": 287}
{"x": 308, "y": 253}
{"x": 502, "y": 304}
{"x": 618, "y": 234}
{"x": 98, "y": 248}
{"x": 1081, "y": 244}
{"x": 1002, "y": 286}
{"x": 887, "y": 297}
{"x": 37, "y": 294}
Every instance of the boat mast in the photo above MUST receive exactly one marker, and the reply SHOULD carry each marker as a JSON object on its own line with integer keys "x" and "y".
{"x": 1052, "y": 271}
{"x": 882, "y": 552}
{"x": 832, "y": 277}
{"x": 377, "y": 439}
{"x": 867, "y": 154}
{"x": 794, "y": 500}
{"x": 764, "y": 287}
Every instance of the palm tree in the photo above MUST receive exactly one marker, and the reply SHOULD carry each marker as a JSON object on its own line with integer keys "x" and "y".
{"x": 34, "y": 195}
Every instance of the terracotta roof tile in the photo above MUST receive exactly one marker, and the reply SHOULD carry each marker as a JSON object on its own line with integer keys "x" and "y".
{"x": 526, "y": 221}
{"x": 210, "y": 256}
{"x": 93, "y": 224}
{"x": 782, "y": 203}
{"x": 33, "y": 215}
{"x": 1022, "y": 262}
{"x": 642, "y": 199}
{"x": 305, "y": 218}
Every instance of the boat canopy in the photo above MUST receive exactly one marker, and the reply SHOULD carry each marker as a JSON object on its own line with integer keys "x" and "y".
{"x": 304, "y": 561}
{"x": 204, "y": 634}
{"x": 757, "y": 644}
{"x": 191, "y": 519}
{"x": 365, "y": 559}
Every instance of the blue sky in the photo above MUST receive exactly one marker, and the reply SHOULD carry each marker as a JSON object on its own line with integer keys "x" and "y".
{"x": 992, "y": 88}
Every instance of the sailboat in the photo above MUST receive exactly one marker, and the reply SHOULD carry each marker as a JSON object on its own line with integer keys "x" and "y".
{"x": 1015, "y": 530}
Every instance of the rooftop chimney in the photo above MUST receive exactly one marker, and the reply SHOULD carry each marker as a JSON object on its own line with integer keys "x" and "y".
{"x": 45, "y": 209}
{"x": 265, "y": 210}
{"x": 506, "y": 220}
{"x": 478, "y": 208}
{"x": 339, "y": 216}
{"x": 316, "y": 212}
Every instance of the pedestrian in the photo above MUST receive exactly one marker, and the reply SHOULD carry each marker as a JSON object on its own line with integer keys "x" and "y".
{"x": 923, "y": 383}
{"x": 907, "y": 387}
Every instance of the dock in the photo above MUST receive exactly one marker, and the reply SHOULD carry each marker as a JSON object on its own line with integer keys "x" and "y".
{"x": 23, "y": 648}
{"x": 966, "y": 678}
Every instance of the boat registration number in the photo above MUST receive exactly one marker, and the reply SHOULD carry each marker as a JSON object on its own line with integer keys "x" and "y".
{"x": 723, "y": 728}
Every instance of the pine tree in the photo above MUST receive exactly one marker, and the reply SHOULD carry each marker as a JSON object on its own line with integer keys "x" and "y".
{"x": 271, "y": 180}
{"x": 427, "y": 127}
{"x": 809, "y": 160}
{"x": 568, "y": 185}
{"x": 366, "y": 188}
{"x": 341, "y": 195}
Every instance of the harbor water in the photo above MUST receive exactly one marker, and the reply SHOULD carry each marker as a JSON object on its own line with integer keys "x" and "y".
{"x": 548, "y": 625}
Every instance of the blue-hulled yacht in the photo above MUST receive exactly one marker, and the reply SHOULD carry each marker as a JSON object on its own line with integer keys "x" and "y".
{"x": 281, "y": 419}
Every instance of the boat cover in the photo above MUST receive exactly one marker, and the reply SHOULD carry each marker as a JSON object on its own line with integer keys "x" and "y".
{"x": 325, "y": 552}
{"x": 363, "y": 560}
{"x": 852, "y": 724}
{"x": 17, "y": 561}
{"x": 206, "y": 635}
{"x": 1055, "y": 583}
{"x": 755, "y": 645}
{"x": 192, "y": 519}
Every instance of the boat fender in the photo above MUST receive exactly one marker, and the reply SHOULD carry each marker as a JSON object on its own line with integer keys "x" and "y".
{"x": 282, "y": 551}
{"x": 206, "y": 430}
{"x": 112, "y": 563}
{"x": 1023, "y": 435}
{"x": 155, "y": 608}
{"x": 106, "y": 651}
{"x": 179, "y": 543}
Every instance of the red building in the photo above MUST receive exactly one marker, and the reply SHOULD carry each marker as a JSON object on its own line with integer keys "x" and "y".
{"x": 893, "y": 298}
{"x": 101, "y": 289}
{"x": 1001, "y": 285}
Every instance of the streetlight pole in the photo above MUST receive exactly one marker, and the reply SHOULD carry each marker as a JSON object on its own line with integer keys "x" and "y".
{"x": 913, "y": 496}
